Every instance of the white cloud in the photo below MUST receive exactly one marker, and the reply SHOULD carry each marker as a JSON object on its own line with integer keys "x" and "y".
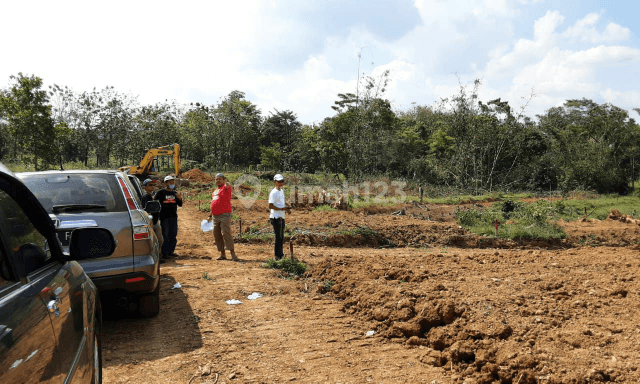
{"x": 556, "y": 70}
{"x": 585, "y": 30}
{"x": 617, "y": 97}
{"x": 526, "y": 51}
{"x": 451, "y": 11}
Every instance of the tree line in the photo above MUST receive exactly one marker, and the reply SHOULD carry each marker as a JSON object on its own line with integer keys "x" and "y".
{"x": 459, "y": 142}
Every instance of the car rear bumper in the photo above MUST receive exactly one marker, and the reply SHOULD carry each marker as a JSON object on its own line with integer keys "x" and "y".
{"x": 134, "y": 282}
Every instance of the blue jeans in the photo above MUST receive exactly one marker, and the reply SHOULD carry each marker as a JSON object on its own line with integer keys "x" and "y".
{"x": 278, "y": 229}
{"x": 169, "y": 233}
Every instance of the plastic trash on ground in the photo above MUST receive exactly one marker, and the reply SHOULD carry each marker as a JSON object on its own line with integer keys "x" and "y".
{"x": 370, "y": 333}
{"x": 254, "y": 295}
{"x": 206, "y": 225}
{"x": 233, "y": 302}
{"x": 176, "y": 286}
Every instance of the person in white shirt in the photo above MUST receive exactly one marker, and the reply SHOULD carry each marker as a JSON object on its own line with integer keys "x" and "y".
{"x": 278, "y": 207}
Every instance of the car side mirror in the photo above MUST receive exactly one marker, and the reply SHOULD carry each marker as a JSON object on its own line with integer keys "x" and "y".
{"x": 152, "y": 207}
{"x": 91, "y": 243}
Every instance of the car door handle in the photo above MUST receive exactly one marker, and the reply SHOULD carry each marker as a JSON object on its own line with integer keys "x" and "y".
{"x": 52, "y": 306}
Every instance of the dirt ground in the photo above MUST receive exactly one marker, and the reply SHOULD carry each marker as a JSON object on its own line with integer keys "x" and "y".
{"x": 393, "y": 295}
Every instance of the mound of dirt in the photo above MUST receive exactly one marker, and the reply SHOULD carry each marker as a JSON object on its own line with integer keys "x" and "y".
{"x": 488, "y": 316}
{"x": 246, "y": 189}
{"x": 197, "y": 176}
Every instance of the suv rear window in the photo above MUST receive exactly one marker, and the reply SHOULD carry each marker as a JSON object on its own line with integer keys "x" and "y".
{"x": 75, "y": 188}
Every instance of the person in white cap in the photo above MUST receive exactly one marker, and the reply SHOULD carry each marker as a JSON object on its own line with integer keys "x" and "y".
{"x": 170, "y": 200}
{"x": 278, "y": 207}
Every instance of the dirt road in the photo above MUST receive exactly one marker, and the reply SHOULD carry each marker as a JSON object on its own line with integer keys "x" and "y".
{"x": 448, "y": 308}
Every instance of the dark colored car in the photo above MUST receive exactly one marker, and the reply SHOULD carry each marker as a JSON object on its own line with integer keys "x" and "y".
{"x": 106, "y": 199}
{"x": 50, "y": 313}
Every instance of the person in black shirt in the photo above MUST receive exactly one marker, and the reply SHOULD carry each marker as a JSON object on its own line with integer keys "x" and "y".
{"x": 170, "y": 200}
{"x": 148, "y": 186}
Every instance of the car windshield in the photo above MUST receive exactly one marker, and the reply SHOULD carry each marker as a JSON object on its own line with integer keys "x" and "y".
{"x": 74, "y": 192}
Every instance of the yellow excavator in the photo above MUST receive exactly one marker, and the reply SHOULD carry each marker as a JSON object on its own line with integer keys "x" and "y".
{"x": 154, "y": 160}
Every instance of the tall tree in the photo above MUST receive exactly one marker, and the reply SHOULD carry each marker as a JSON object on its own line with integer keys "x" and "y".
{"x": 282, "y": 128}
{"x": 26, "y": 108}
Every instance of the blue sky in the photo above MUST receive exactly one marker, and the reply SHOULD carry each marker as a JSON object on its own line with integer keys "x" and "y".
{"x": 295, "y": 55}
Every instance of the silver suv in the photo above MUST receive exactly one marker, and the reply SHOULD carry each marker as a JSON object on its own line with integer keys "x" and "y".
{"x": 111, "y": 200}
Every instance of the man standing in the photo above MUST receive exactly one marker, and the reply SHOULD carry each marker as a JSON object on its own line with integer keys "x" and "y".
{"x": 169, "y": 200}
{"x": 221, "y": 213}
{"x": 278, "y": 207}
{"x": 148, "y": 186}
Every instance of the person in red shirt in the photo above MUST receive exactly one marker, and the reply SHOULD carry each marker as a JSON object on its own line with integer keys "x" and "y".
{"x": 221, "y": 214}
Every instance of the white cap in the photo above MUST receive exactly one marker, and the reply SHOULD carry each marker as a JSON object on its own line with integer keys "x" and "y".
{"x": 278, "y": 177}
{"x": 168, "y": 178}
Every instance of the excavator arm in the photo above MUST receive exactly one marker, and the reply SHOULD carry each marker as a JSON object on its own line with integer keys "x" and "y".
{"x": 145, "y": 168}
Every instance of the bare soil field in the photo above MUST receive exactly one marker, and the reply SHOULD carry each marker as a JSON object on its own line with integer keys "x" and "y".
{"x": 394, "y": 294}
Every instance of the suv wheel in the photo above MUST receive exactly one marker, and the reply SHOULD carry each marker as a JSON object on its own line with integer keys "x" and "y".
{"x": 149, "y": 304}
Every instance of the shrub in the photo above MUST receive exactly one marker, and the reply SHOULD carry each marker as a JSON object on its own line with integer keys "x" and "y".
{"x": 291, "y": 267}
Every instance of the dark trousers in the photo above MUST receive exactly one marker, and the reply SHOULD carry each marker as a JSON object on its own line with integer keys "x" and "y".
{"x": 169, "y": 233}
{"x": 278, "y": 229}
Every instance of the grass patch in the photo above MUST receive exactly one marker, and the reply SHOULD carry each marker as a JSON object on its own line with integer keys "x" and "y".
{"x": 324, "y": 208}
{"x": 517, "y": 220}
{"x": 292, "y": 267}
{"x": 203, "y": 196}
{"x": 600, "y": 207}
{"x": 364, "y": 203}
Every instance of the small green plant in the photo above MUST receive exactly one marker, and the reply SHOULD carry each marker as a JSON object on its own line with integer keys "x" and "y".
{"x": 292, "y": 267}
{"x": 363, "y": 231}
{"x": 328, "y": 284}
{"x": 205, "y": 275}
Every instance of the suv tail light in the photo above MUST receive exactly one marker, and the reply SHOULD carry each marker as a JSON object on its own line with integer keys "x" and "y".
{"x": 140, "y": 232}
{"x": 127, "y": 195}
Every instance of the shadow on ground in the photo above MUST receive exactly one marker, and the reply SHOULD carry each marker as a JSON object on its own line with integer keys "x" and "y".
{"x": 128, "y": 339}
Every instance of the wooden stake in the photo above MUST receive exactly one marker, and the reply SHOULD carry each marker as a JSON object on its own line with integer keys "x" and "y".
{"x": 240, "y": 221}
{"x": 291, "y": 248}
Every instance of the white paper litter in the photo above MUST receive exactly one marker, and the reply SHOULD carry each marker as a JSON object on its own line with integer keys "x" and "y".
{"x": 370, "y": 333}
{"x": 206, "y": 225}
{"x": 254, "y": 295}
{"x": 176, "y": 286}
{"x": 233, "y": 302}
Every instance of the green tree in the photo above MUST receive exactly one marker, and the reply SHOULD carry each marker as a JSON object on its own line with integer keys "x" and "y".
{"x": 282, "y": 128}
{"x": 239, "y": 123}
{"x": 593, "y": 144}
{"x": 29, "y": 120}
{"x": 271, "y": 157}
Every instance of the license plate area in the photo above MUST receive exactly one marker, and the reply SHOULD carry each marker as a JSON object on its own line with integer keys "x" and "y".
{"x": 65, "y": 237}
{"x": 66, "y": 227}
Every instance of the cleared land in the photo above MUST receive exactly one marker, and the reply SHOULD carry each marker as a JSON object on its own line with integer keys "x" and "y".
{"x": 444, "y": 305}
